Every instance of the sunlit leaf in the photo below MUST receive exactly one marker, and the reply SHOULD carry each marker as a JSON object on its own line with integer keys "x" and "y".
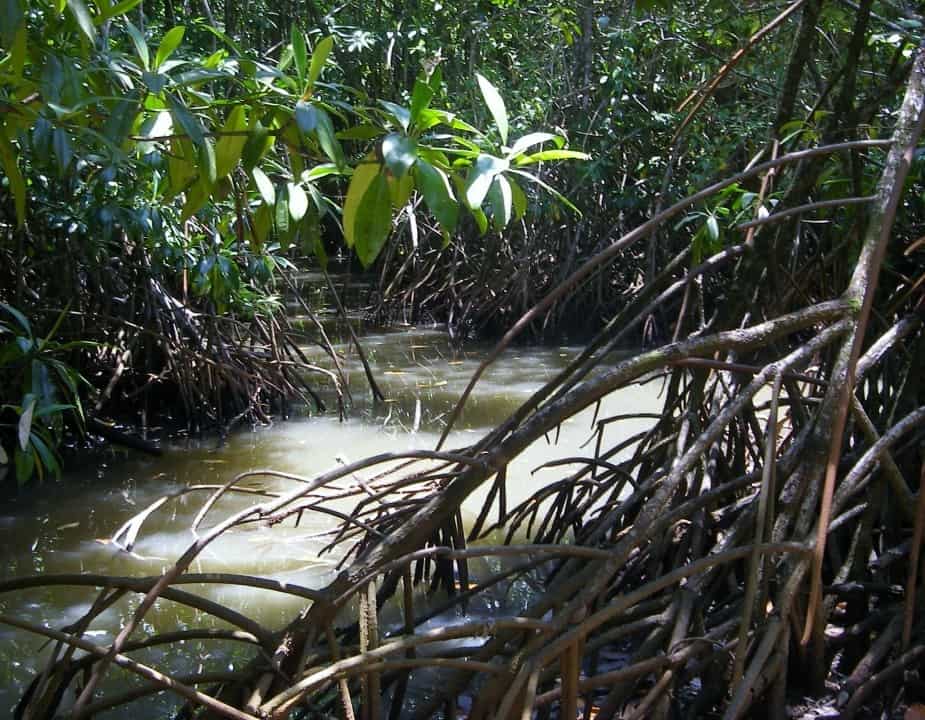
{"x": 25, "y": 419}
{"x": 229, "y": 146}
{"x": 499, "y": 195}
{"x": 108, "y": 12}
{"x": 420, "y": 98}
{"x": 531, "y": 139}
{"x": 83, "y": 18}
{"x": 319, "y": 58}
{"x": 400, "y": 189}
{"x": 196, "y": 197}
{"x": 373, "y": 223}
{"x": 438, "y": 194}
{"x": 363, "y": 176}
{"x": 519, "y": 199}
{"x": 495, "y": 105}
{"x": 186, "y": 120}
{"x": 480, "y": 177}
{"x": 399, "y": 152}
{"x": 257, "y": 144}
{"x": 299, "y": 52}
{"x": 264, "y": 186}
{"x": 545, "y": 155}
{"x": 401, "y": 114}
{"x": 141, "y": 47}
{"x": 168, "y": 45}
{"x": 298, "y": 201}
{"x": 17, "y": 182}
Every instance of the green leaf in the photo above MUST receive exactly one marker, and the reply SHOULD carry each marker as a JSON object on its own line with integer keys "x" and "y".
{"x": 25, "y": 464}
{"x": 45, "y": 454}
{"x": 399, "y": 152}
{"x": 282, "y": 215}
{"x": 298, "y": 201}
{"x": 495, "y": 105}
{"x": 552, "y": 155}
{"x": 328, "y": 140}
{"x": 229, "y": 147}
{"x": 480, "y": 177}
{"x": 17, "y": 182}
{"x": 519, "y": 199}
{"x": 374, "y": 221}
{"x": 526, "y": 141}
{"x": 20, "y": 318}
{"x": 299, "y": 52}
{"x": 306, "y": 116}
{"x": 83, "y": 18}
{"x": 363, "y": 176}
{"x": 186, "y": 120}
{"x": 360, "y": 132}
{"x": 168, "y": 45}
{"x": 258, "y": 142}
{"x": 499, "y": 195}
{"x": 481, "y": 220}
{"x": 207, "y": 163}
{"x": 25, "y": 419}
{"x": 400, "y": 189}
{"x": 713, "y": 228}
{"x": 320, "y": 171}
{"x": 420, "y": 98}
{"x": 120, "y": 8}
{"x": 196, "y": 198}
{"x": 264, "y": 186}
{"x": 438, "y": 194}
{"x": 319, "y": 58}
{"x": 141, "y": 47}
{"x": 401, "y": 114}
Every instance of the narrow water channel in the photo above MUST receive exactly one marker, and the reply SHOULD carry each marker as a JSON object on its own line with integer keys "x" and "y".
{"x": 64, "y": 529}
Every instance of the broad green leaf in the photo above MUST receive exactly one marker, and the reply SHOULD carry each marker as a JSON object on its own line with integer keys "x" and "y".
{"x": 420, "y": 98}
{"x": 373, "y": 223}
{"x": 545, "y": 155}
{"x": 438, "y": 194}
{"x": 181, "y": 164}
{"x": 17, "y": 182}
{"x": 328, "y": 140}
{"x": 110, "y": 11}
{"x": 264, "y": 186}
{"x": 121, "y": 119}
{"x": 519, "y": 199}
{"x": 713, "y": 228}
{"x": 141, "y": 47}
{"x": 299, "y": 52}
{"x": 25, "y": 463}
{"x": 320, "y": 171}
{"x": 257, "y": 144}
{"x": 399, "y": 152}
{"x": 25, "y": 419}
{"x": 360, "y": 132}
{"x": 229, "y": 146}
{"x": 319, "y": 58}
{"x": 45, "y": 454}
{"x": 400, "y": 189}
{"x": 363, "y": 176}
{"x": 207, "y": 163}
{"x": 306, "y": 116}
{"x": 481, "y": 220}
{"x": 18, "y": 51}
{"x": 282, "y": 215}
{"x": 537, "y": 138}
{"x": 196, "y": 198}
{"x": 495, "y": 105}
{"x": 401, "y": 114}
{"x": 83, "y": 18}
{"x": 168, "y": 45}
{"x": 263, "y": 220}
{"x": 499, "y": 195}
{"x": 186, "y": 120}
{"x": 298, "y": 201}
{"x": 480, "y": 177}
{"x": 20, "y": 318}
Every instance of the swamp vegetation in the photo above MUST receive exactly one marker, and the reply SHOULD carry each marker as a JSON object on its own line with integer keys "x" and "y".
{"x": 733, "y": 191}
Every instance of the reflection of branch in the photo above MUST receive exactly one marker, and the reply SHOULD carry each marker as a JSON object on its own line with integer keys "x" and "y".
{"x": 161, "y": 679}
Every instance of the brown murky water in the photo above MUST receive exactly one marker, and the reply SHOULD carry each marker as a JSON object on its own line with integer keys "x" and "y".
{"x": 60, "y": 531}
